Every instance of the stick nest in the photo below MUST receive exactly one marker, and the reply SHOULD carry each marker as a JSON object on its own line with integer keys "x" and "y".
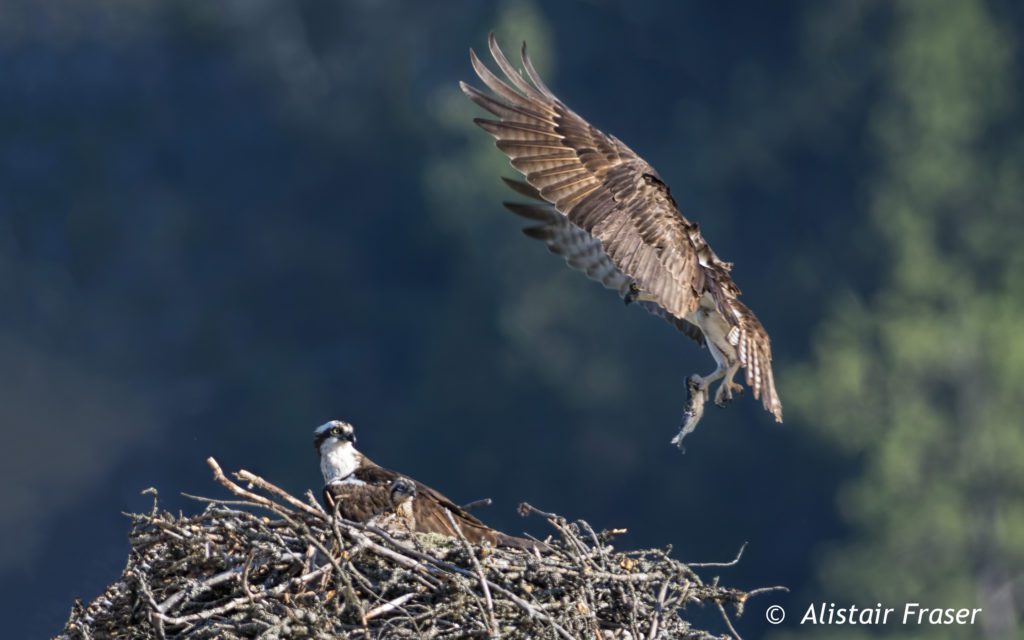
{"x": 233, "y": 572}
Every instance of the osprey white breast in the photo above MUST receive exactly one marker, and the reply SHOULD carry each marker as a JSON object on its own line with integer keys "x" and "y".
{"x": 338, "y": 460}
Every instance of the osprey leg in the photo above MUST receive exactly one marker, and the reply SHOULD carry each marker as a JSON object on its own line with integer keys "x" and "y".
{"x": 703, "y": 382}
{"x": 727, "y": 387}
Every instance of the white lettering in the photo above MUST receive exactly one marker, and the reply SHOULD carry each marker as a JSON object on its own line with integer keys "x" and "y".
{"x": 809, "y": 616}
{"x": 873, "y": 616}
{"x": 827, "y": 613}
{"x": 908, "y": 610}
{"x": 914, "y": 613}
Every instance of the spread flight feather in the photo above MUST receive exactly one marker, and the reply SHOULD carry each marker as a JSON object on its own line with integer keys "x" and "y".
{"x": 608, "y": 212}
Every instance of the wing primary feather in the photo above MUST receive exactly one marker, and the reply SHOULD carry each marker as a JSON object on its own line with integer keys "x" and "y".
{"x": 510, "y": 72}
{"x": 528, "y": 163}
{"x": 524, "y": 189}
{"x": 555, "y": 171}
{"x": 567, "y": 202}
{"x": 541, "y": 232}
{"x": 535, "y": 77}
{"x": 540, "y": 213}
{"x": 501, "y": 109}
{"x": 576, "y": 178}
{"x": 516, "y": 148}
{"x": 509, "y": 129}
{"x": 496, "y": 84}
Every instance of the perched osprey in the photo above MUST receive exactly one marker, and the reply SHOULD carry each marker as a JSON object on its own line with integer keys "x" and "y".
{"x": 364, "y": 492}
{"x": 608, "y": 212}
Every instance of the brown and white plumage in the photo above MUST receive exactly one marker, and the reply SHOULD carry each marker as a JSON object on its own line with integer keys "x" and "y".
{"x": 360, "y": 490}
{"x": 611, "y": 216}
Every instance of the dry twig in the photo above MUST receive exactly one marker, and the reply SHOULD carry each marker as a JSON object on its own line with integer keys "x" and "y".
{"x": 230, "y": 572}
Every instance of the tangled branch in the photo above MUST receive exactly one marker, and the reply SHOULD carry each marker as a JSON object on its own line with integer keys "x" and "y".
{"x": 230, "y": 572}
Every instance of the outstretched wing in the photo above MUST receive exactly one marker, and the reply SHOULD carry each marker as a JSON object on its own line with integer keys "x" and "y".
{"x": 595, "y": 180}
{"x": 605, "y": 189}
{"x": 582, "y": 251}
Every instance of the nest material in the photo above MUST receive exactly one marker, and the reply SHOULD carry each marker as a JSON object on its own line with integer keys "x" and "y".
{"x": 228, "y": 572}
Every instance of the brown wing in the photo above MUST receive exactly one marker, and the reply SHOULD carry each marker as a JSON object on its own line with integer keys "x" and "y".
{"x": 604, "y": 188}
{"x": 753, "y": 346}
{"x": 429, "y": 506}
{"x": 583, "y": 252}
{"x": 595, "y": 180}
{"x": 360, "y": 503}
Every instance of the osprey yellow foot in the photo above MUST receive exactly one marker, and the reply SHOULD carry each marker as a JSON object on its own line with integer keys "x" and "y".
{"x": 725, "y": 392}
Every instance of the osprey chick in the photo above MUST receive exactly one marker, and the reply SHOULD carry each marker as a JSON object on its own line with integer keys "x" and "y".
{"x": 609, "y": 214}
{"x": 364, "y": 492}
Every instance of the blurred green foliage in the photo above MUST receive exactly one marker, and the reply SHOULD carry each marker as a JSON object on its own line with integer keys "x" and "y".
{"x": 921, "y": 378}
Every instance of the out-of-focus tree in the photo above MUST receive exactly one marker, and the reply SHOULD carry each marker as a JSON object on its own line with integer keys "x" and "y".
{"x": 920, "y": 380}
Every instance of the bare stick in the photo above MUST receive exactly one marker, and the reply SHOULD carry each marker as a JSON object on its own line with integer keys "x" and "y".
{"x": 219, "y": 476}
{"x": 762, "y": 590}
{"x": 728, "y": 622}
{"x": 731, "y": 563}
{"x": 205, "y": 585}
{"x": 281, "y": 493}
{"x": 390, "y": 606}
{"x": 233, "y": 604}
{"x": 659, "y": 610}
{"x": 492, "y": 623}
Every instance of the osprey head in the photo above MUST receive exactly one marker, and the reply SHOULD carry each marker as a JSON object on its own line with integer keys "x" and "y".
{"x": 338, "y": 458}
{"x": 402, "y": 489}
{"x": 333, "y": 431}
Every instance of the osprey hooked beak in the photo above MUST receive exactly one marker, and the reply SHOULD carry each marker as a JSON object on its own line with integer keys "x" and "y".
{"x": 337, "y": 429}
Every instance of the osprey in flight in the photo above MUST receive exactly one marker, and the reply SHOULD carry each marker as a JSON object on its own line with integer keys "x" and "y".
{"x": 609, "y": 214}
{"x": 364, "y": 492}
